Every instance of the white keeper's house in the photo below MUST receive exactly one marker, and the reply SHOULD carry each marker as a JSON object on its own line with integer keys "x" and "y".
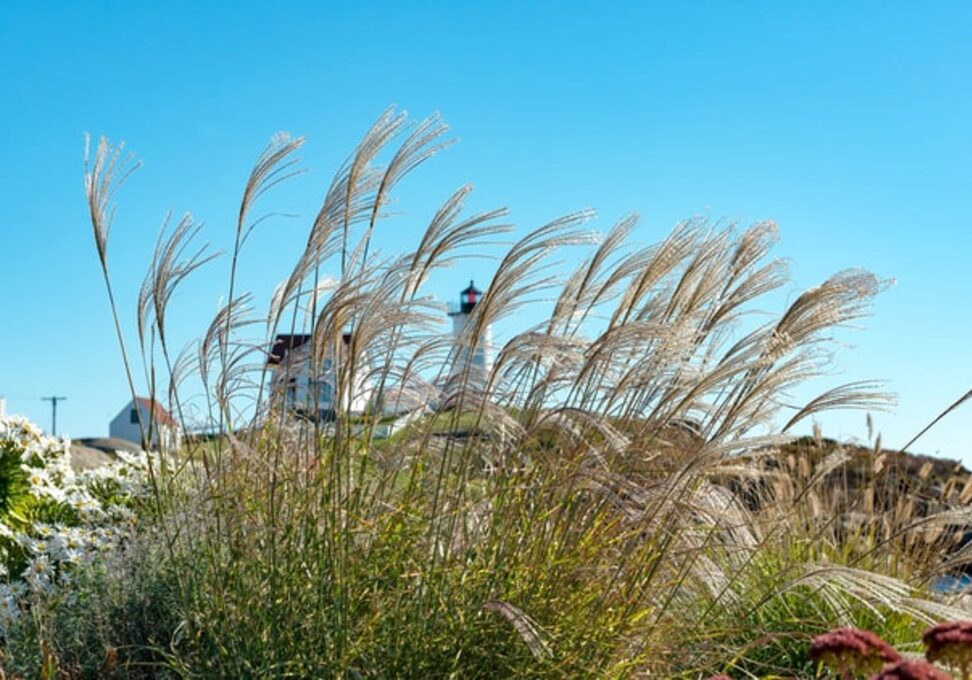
{"x": 313, "y": 393}
{"x": 307, "y": 394}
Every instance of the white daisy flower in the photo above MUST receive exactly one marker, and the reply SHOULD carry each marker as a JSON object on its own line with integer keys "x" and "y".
{"x": 43, "y": 530}
{"x": 36, "y": 477}
{"x": 38, "y": 546}
{"x": 38, "y": 573}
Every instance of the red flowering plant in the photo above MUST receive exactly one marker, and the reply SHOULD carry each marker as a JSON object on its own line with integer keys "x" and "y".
{"x": 850, "y": 652}
{"x": 950, "y": 644}
{"x": 912, "y": 670}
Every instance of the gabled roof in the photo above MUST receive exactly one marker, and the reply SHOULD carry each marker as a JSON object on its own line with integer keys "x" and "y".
{"x": 286, "y": 342}
{"x": 283, "y": 344}
{"x": 159, "y": 414}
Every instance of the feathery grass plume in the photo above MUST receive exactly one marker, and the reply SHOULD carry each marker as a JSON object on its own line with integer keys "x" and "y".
{"x": 173, "y": 261}
{"x": 421, "y": 144}
{"x": 849, "y": 652}
{"x": 103, "y": 177}
{"x": 789, "y": 345}
{"x": 581, "y": 292}
{"x": 862, "y": 395}
{"x": 231, "y": 317}
{"x": 526, "y": 628}
{"x": 275, "y": 164}
{"x": 362, "y": 176}
{"x": 171, "y": 265}
{"x": 951, "y": 645}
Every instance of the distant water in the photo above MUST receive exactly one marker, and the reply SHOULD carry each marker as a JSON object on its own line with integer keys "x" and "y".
{"x": 953, "y": 583}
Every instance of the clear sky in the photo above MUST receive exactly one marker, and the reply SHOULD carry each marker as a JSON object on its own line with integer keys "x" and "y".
{"x": 848, "y": 123}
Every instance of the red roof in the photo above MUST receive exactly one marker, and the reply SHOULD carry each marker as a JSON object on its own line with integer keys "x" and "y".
{"x": 159, "y": 414}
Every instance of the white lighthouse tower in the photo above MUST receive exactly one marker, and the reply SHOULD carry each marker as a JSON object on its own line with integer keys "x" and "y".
{"x": 473, "y": 354}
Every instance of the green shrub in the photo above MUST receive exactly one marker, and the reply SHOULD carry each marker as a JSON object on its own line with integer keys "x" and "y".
{"x": 118, "y": 617}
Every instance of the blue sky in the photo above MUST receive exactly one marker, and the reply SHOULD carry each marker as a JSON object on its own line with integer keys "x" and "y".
{"x": 848, "y": 123}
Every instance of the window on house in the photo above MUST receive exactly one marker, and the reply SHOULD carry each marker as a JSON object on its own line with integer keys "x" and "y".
{"x": 133, "y": 416}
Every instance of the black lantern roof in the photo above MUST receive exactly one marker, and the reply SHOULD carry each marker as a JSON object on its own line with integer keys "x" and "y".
{"x": 469, "y": 297}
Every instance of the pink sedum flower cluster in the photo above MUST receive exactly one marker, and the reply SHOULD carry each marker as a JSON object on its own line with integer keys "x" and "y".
{"x": 849, "y": 652}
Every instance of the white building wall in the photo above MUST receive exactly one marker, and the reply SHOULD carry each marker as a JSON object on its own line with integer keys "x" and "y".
{"x": 294, "y": 383}
{"x": 480, "y": 358}
{"x": 122, "y": 427}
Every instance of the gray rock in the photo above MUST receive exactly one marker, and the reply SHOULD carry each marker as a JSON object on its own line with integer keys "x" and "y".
{"x": 109, "y": 444}
{"x": 87, "y": 457}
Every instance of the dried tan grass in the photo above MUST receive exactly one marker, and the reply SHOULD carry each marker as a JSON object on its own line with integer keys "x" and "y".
{"x": 618, "y": 468}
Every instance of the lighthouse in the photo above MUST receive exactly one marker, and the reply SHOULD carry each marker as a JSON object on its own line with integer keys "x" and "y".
{"x": 473, "y": 354}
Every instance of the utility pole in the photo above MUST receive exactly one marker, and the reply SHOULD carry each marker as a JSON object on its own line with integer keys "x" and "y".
{"x": 53, "y": 401}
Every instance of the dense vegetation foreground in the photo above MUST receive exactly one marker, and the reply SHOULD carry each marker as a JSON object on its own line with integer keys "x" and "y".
{"x": 617, "y": 497}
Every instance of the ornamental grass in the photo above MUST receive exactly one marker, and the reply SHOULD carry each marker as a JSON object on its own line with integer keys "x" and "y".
{"x": 593, "y": 504}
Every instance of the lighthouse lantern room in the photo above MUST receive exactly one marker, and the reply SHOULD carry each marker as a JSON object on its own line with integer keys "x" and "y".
{"x": 469, "y": 298}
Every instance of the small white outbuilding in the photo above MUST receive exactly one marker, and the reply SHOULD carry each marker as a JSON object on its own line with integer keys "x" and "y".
{"x": 165, "y": 431}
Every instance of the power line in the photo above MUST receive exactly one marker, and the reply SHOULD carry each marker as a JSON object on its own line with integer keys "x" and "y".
{"x": 53, "y": 401}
